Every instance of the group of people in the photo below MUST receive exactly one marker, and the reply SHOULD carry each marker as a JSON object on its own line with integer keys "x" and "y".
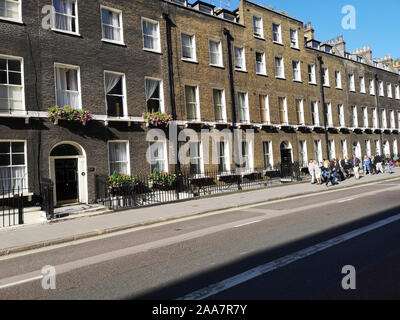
{"x": 342, "y": 169}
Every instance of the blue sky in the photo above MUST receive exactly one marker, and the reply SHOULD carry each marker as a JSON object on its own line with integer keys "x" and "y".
{"x": 377, "y": 23}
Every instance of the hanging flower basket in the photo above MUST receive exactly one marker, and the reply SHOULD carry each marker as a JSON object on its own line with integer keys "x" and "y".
{"x": 163, "y": 180}
{"x": 123, "y": 185}
{"x": 54, "y": 114}
{"x": 157, "y": 119}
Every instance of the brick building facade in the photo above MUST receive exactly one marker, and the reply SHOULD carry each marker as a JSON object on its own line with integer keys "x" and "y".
{"x": 252, "y": 69}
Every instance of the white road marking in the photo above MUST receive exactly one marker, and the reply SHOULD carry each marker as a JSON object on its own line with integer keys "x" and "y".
{"x": 246, "y": 224}
{"x": 346, "y": 200}
{"x": 231, "y": 282}
{"x": 13, "y": 284}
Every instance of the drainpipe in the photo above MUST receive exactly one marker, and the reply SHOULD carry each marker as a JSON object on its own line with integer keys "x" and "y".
{"x": 324, "y": 110}
{"x": 169, "y": 24}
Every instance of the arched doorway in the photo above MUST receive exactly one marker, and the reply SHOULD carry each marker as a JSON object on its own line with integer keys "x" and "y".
{"x": 68, "y": 173}
{"x": 286, "y": 152}
{"x": 356, "y": 149}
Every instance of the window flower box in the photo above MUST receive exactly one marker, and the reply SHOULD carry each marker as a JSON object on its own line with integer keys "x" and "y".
{"x": 157, "y": 119}
{"x": 163, "y": 181}
{"x": 54, "y": 114}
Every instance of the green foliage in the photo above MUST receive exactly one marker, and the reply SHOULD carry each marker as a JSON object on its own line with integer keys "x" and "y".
{"x": 157, "y": 119}
{"x": 163, "y": 180}
{"x": 68, "y": 113}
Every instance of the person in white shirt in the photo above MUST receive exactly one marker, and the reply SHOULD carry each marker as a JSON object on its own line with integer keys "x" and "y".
{"x": 318, "y": 172}
{"x": 311, "y": 170}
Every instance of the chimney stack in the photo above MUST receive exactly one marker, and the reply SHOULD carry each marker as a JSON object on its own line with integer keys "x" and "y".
{"x": 308, "y": 31}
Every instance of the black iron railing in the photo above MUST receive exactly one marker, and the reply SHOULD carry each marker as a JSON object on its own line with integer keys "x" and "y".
{"x": 11, "y": 207}
{"x": 187, "y": 185}
{"x": 47, "y": 189}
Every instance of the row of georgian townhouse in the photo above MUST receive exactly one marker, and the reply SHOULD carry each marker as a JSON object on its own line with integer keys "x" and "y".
{"x": 252, "y": 68}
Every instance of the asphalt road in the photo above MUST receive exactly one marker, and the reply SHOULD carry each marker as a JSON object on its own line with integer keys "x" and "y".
{"x": 254, "y": 252}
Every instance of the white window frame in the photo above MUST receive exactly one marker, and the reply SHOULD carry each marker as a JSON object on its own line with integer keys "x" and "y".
{"x": 278, "y": 32}
{"x": 338, "y": 79}
{"x": 124, "y": 98}
{"x": 158, "y": 40}
{"x": 342, "y": 121}
{"x": 318, "y": 150}
{"x": 226, "y": 157}
{"x": 127, "y": 153}
{"x": 296, "y": 68}
{"x": 381, "y": 89}
{"x": 364, "y": 111}
{"x": 285, "y": 109}
{"x": 223, "y": 101}
{"x": 53, "y": 27}
{"x": 78, "y": 74}
{"x": 392, "y": 119}
{"x": 378, "y": 146}
{"x": 162, "y": 103}
{"x": 375, "y": 121}
{"x": 343, "y": 146}
{"x": 200, "y": 157}
{"x": 368, "y": 147}
{"x": 262, "y": 64}
{"x": 354, "y": 116}
{"x": 163, "y": 160}
{"x": 243, "y": 58}
{"x": 269, "y": 155}
{"x": 119, "y": 12}
{"x": 245, "y": 108}
{"x": 300, "y": 114}
{"x": 398, "y": 119}
{"x": 352, "y": 84}
{"x": 193, "y": 48}
{"x": 303, "y": 156}
{"x": 261, "y": 34}
{"x": 329, "y": 114}
{"x": 21, "y": 60}
{"x": 383, "y": 118}
{"x": 19, "y": 19}
{"x": 250, "y": 155}
{"x": 332, "y": 149}
{"x": 266, "y": 109}
{"x": 294, "y": 44}
{"x": 389, "y": 90}
{"x": 326, "y": 77}
{"x": 281, "y": 68}
{"x": 312, "y": 75}
{"x": 315, "y": 111}
{"x": 372, "y": 87}
{"x": 197, "y": 102}
{"x": 397, "y": 92}
{"x": 26, "y": 182}
{"x": 220, "y": 62}
{"x": 362, "y": 85}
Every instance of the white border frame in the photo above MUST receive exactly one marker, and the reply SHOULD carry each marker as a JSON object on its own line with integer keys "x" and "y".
{"x": 78, "y": 74}
{"x": 19, "y": 20}
{"x": 21, "y": 59}
{"x": 125, "y": 100}
{"x": 127, "y": 145}
{"x": 76, "y": 33}
{"x": 159, "y": 34}
{"x": 119, "y": 12}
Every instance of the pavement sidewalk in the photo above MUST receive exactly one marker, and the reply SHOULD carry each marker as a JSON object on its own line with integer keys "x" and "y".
{"x": 29, "y": 237}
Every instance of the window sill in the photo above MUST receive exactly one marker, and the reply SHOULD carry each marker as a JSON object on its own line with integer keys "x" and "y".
{"x": 280, "y": 78}
{"x": 217, "y": 66}
{"x": 259, "y": 37}
{"x": 295, "y": 48}
{"x": 326, "y": 86}
{"x": 278, "y": 43}
{"x": 190, "y": 61}
{"x": 11, "y": 20}
{"x": 121, "y": 44}
{"x": 69, "y": 33}
{"x": 243, "y": 71}
{"x": 312, "y": 83}
{"x": 152, "y": 50}
{"x": 298, "y": 81}
{"x": 262, "y": 75}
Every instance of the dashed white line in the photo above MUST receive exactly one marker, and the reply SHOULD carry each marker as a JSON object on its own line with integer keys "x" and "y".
{"x": 13, "y": 284}
{"x": 246, "y": 224}
{"x": 346, "y": 200}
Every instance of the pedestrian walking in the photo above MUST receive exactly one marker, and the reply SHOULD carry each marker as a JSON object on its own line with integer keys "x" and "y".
{"x": 367, "y": 165}
{"x": 356, "y": 167}
{"x": 318, "y": 172}
{"x": 378, "y": 164}
{"x": 311, "y": 170}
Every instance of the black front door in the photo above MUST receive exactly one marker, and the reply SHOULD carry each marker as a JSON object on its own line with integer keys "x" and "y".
{"x": 286, "y": 156}
{"x": 66, "y": 171}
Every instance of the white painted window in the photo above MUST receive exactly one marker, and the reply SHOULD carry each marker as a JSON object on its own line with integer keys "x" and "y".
{"x": 377, "y": 146}
{"x": 258, "y": 27}
{"x": 341, "y": 115}
{"x": 154, "y": 95}
{"x": 354, "y": 116}
{"x": 332, "y": 149}
{"x": 368, "y": 147}
{"x": 392, "y": 119}
{"x": 277, "y": 33}
{"x": 111, "y": 20}
{"x": 264, "y": 109}
{"x": 151, "y": 35}
{"x": 283, "y": 112}
{"x": 247, "y": 155}
{"x": 398, "y": 119}
{"x": 325, "y": 77}
{"x": 115, "y": 90}
{"x": 395, "y": 148}
{"x": 397, "y": 91}
{"x": 311, "y": 74}
{"x": 13, "y": 166}
{"x": 374, "y": 117}
{"x": 158, "y": 156}
{"x": 188, "y": 42}
{"x": 192, "y": 103}
{"x": 268, "y": 156}
{"x": 389, "y": 90}
{"x": 314, "y": 113}
{"x": 240, "y": 59}
{"x": 329, "y": 114}
{"x": 381, "y": 89}
{"x": 243, "y": 103}
{"x": 118, "y": 157}
{"x": 318, "y": 150}
{"x": 303, "y": 159}
{"x": 372, "y": 87}
{"x": 68, "y": 86}
{"x": 364, "y": 111}
{"x": 296, "y": 70}
{"x": 338, "y": 80}
{"x": 66, "y": 16}
{"x": 362, "y": 85}
{"x": 383, "y": 119}
{"x": 223, "y": 156}
{"x": 352, "y": 85}
{"x": 260, "y": 63}
{"x": 219, "y": 105}
{"x": 11, "y": 10}
{"x": 196, "y": 157}
{"x": 343, "y": 147}
{"x": 215, "y": 53}
{"x": 300, "y": 111}
{"x": 12, "y": 96}
{"x": 294, "y": 38}
{"x": 279, "y": 68}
